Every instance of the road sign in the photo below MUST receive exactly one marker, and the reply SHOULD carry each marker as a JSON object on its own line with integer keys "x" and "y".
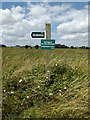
{"x": 38, "y": 35}
{"x": 47, "y": 44}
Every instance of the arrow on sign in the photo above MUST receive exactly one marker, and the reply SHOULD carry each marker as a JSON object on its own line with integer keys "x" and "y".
{"x": 38, "y": 35}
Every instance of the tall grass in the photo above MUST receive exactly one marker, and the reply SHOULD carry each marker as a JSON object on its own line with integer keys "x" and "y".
{"x": 27, "y": 91}
{"x": 28, "y": 58}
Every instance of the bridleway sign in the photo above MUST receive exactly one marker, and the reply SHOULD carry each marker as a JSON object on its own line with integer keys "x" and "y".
{"x": 47, "y": 44}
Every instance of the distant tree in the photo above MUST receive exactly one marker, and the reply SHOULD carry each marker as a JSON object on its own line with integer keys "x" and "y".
{"x": 76, "y": 47}
{"x": 82, "y": 47}
{"x": 1, "y": 45}
{"x": 26, "y": 46}
{"x": 31, "y": 47}
{"x": 36, "y": 46}
{"x": 87, "y": 47}
{"x": 60, "y": 46}
{"x": 17, "y": 46}
{"x": 72, "y": 47}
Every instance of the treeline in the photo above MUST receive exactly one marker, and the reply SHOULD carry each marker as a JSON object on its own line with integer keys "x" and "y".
{"x": 18, "y": 46}
{"x": 72, "y": 47}
{"x": 37, "y": 46}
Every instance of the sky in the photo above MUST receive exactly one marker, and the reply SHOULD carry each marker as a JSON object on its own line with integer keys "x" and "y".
{"x": 69, "y": 22}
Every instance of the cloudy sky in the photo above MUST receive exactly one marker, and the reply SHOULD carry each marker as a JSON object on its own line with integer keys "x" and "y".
{"x": 69, "y": 22}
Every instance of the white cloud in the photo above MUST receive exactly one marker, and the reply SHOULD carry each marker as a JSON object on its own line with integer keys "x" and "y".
{"x": 17, "y": 29}
{"x": 17, "y": 23}
{"x": 11, "y": 16}
{"x": 75, "y": 27}
{"x": 45, "y": 13}
{"x": 77, "y": 36}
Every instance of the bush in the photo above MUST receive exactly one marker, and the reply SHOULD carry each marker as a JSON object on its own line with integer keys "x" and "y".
{"x": 36, "y": 46}
{"x": 26, "y": 46}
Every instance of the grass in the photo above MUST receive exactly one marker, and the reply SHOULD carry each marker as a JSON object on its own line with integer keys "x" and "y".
{"x": 31, "y": 97}
{"x": 27, "y": 58}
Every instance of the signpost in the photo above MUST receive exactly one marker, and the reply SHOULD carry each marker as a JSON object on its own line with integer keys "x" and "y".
{"x": 47, "y": 44}
{"x": 38, "y": 35}
{"x": 48, "y": 31}
{"x": 48, "y": 37}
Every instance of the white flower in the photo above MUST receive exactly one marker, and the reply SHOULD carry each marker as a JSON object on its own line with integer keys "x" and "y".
{"x": 59, "y": 90}
{"x": 48, "y": 71}
{"x": 4, "y": 90}
{"x": 60, "y": 94}
{"x": 20, "y": 80}
{"x": 46, "y": 77}
{"x": 27, "y": 96}
{"x": 12, "y": 92}
{"x": 64, "y": 87}
{"x": 50, "y": 93}
{"x": 56, "y": 64}
{"x": 38, "y": 86}
{"x": 21, "y": 103}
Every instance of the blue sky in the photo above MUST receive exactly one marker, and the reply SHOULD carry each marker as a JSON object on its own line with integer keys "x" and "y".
{"x": 69, "y": 21}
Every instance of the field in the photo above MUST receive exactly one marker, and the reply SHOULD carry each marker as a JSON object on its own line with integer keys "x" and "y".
{"x": 29, "y": 93}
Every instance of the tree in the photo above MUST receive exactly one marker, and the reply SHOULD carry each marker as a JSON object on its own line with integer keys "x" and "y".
{"x": 36, "y": 46}
{"x": 82, "y": 47}
{"x": 72, "y": 47}
{"x": 1, "y": 45}
{"x": 17, "y": 46}
{"x": 31, "y": 47}
{"x": 26, "y": 46}
{"x": 60, "y": 46}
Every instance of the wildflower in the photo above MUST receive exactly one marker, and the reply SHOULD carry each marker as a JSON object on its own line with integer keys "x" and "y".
{"x": 20, "y": 80}
{"x": 55, "y": 64}
{"x": 38, "y": 86}
{"x": 4, "y": 90}
{"x": 12, "y": 92}
{"x": 60, "y": 94}
{"x": 65, "y": 88}
{"x": 46, "y": 77}
{"x": 59, "y": 90}
{"x": 48, "y": 71}
{"x": 27, "y": 96}
{"x": 21, "y": 103}
{"x": 50, "y": 93}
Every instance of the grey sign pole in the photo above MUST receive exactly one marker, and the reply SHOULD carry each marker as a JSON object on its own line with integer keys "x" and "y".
{"x": 48, "y": 36}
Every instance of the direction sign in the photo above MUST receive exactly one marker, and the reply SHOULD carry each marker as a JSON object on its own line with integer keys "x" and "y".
{"x": 38, "y": 35}
{"x": 47, "y": 44}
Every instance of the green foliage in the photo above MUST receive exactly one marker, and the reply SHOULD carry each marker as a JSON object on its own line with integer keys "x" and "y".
{"x": 23, "y": 92}
{"x": 36, "y": 46}
{"x": 28, "y": 93}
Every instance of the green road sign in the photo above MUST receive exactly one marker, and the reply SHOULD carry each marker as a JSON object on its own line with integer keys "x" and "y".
{"x": 47, "y": 44}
